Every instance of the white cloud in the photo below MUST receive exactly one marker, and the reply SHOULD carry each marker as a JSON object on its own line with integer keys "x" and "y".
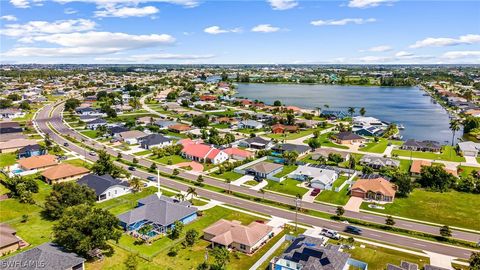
{"x": 367, "y": 3}
{"x": 403, "y": 54}
{"x": 282, "y": 4}
{"x": 381, "y": 48}
{"x": 34, "y": 28}
{"x": 25, "y": 3}
{"x": 70, "y": 11}
{"x": 142, "y": 58}
{"x": 342, "y": 21}
{"x": 215, "y": 30}
{"x": 265, "y": 28}
{"x": 56, "y": 52}
{"x": 110, "y": 3}
{"x": 453, "y": 55}
{"x": 9, "y": 18}
{"x": 124, "y": 12}
{"x": 442, "y": 42}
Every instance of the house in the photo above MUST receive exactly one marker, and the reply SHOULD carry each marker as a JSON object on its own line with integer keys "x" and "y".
{"x": 289, "y": 147}
{"x": 154, "y": 140}
{"x": 35, "y": 163}
{"x": 146, "y": 120}
{"x": 10, "y": 127}
{"x": 15, "y": 144}
{"x": 348, "y": 137}
{"x": 46, "y": 256}
{"x": 10, "y": 113}
{"x": 252, "y": 124}
{"x": 116, "y": 130}
{"x": 319, "y": 178}
{"x": 105, "y": 186}
{"x": 379, "y": 162}
{"x": 264, "y": 169}
{"x": 378, "y": 189}
{"x": 208, "y": 98}
{"x": 31, "y": 150}
{"x": 238, "y": 154}
{"x": 404, "y": 265}
{"x": 325, "y": 152}
{"x": 63, "y": 172}
{"x": 87, "y": 111}
{"x": 203, "y": 153}
{"x": 226, "y": 120}
{"x": 256, "y": 143}
{"x": 159, "y": 211}
{"x": 416, "y": 167}
{"x": 234, "y": 235}
{"x": 94, "y": 124}
{"x": 164, "y": 124}
{"x": 469, "y": 148}
{"x": 425, "y": 146}
{"x": 280, "y": 129}
{"x": 368, "y": 126}
{"x": 178, "y": 128}
{"x": 307, "y": 123}
{"x": 131, "y": 136}
{"x": 9, "y": 241}
{"x": 306, "y": 252}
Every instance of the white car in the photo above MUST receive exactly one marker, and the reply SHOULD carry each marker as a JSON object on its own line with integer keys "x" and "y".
{"x": 330, "y": 234}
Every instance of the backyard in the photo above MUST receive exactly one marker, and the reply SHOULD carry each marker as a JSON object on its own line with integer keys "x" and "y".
{"x": 450, "y": 208}
{"x": 7, "y": 159}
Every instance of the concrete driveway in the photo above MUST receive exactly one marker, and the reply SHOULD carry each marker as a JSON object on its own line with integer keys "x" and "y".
{"x": 242, "y": 180}
{"x": 353, "y": 204}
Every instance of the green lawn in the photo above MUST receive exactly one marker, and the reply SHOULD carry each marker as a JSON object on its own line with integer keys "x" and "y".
{"x": 287, "y": 186}
{"x": 326, "y": 142}
{"x": 231, "y": 175}
{"x": 90, "y": 133}
{"x": 450, "y": 208}
{"x": 465, "y": 170}
{"x": 286, "y": 170}
{"x": 330, "y": 196}
{"x": 77, "y": 162}
{"x": 127, "y": 202}
{"x": 447, "y": 154}
{"x": 143, "y": 153}
{"x": 7, "y": 159}
{"x": 291, "y": 136}
{"x": 405, "y": 165}
{"x": 378, "y": 147}
{"x": 174, "y": 159}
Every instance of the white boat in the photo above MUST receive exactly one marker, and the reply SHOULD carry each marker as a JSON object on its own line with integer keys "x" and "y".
{"x": 400, "y": 126}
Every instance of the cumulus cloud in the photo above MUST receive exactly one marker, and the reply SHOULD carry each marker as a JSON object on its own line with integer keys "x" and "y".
{"x": 215, "y": 30}
{"x": 265, "y": 28}
{"x": 26, "y": 3}
{"x": 367, "y": 3}
{"x": 110, "y": 3}
{"x": 342, "y": 21}
{"x": 142, "y": 58}
{"x": 453, "y": 55}
{"x": 381, "y": 48}
{"x": 442, "y": 41}
{"x": 34, "y": 28}
{"x": 9, "y": 18}
{"x": 282, "y": 4}
{"x": 124, "y": 12}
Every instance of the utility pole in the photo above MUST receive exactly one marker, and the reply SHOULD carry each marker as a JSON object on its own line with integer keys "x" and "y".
{"x": 159, "y": 192}
{"x": 297, "y": 202}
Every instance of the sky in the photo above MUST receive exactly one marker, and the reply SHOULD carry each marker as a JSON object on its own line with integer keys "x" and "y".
{"x": 239, "y": 32}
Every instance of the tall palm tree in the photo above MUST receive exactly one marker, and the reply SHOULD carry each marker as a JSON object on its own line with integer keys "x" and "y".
{"x": 362, "y": 111}
{"x": 262, "y": 191}
{"x": 454, "y": 127}
{"x": 180, "y": 197}
{"x": 192, "y": 191}
{"x": 135, "y": 184}
{"x": 351, "y": 111}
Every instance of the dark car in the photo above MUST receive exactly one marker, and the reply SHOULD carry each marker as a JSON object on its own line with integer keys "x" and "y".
{"x": 66, "y": 144}
{"x": 315, "y": 192}
{"x": 131, "y": 168}
{"x": 353, "y": 229}
{"x": 151, "y": 178}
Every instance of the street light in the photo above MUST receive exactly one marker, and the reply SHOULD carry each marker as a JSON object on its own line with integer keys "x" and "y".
{"x": 298, "y": 202}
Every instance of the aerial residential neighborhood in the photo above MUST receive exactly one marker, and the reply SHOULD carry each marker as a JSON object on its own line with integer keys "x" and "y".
{"x": 152, "y": 135}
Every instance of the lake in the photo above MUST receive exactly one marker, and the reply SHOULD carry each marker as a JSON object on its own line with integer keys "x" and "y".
{"x": 421, "y": 117}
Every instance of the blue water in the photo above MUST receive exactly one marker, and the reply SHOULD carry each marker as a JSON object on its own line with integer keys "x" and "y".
{"x": 422, "y": 119}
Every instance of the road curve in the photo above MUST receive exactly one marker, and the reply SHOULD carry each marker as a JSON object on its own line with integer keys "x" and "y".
{"x": 43, "y": 117}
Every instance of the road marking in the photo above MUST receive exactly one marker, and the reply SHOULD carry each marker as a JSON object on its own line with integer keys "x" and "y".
{"x": 420, "y": 245}
{"x": 376, "y": 235}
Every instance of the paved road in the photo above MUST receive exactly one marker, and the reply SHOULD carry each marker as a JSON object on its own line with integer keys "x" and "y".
{"x": 43, "y": 117}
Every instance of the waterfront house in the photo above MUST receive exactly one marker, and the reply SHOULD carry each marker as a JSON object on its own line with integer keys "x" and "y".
{"x": 469, "y": 148}
{"x": 234, "y": 235}
{"x": 105, "y": 186}
{"x": 319, "y": 178}
{"x": 154, "y": 140}
{"x": 256, "y": 143}
{"x": 378, "y": 189}
{"x": 63, "y": 173}
{"x": 159, "y": 211}
{"x": 424, "y": 146}
{"x": 379, "y": 162}
{"x": 45, "y": 256}
{"x": 348, "y": 137}
{"x": 417, "y": 165}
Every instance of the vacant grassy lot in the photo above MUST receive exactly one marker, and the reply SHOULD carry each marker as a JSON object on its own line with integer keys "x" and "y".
{"x": 450, "y": 208}
{"x": 90, "y": 133}
{"x": 231, "y": 175}
{"x": 296, "y": 135}
{"x": 7, "y": 159}
{"x": 447, "y": 154}
{"x": 326, "y": 142}
{"x": 169, "y": 159}
{"x": 287, "y": 186}
{"x": 330, "y": 196}
{"x": 380, "y": 146}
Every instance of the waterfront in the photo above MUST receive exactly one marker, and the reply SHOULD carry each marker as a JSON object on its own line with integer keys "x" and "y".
{"x": 422, "y": 118}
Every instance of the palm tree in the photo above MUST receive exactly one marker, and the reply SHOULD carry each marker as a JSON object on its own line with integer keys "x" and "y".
{"x": 362, "y": 111}
{"x": 351, "y": 111}
{"x": 180, "y": 197}
{"x": 262, "y": 191}
{"x": 192, "y": 191}
{"x": 454, "y": 127}
{"x": 229, "y": 182}
{"x": 135, "y": 184}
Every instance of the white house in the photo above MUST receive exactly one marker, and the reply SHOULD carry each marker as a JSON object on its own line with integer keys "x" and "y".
{"x": 203, "y": 153}
{"x": 10, "y": 113}
{"x": 105, "y": 186}
{"x": 131, "y": 136}
{"x": 320, "y": 178}
{"x": 250, "y": 124}
{"x": 469, "y": 148}
{"x": 94, "y": 124}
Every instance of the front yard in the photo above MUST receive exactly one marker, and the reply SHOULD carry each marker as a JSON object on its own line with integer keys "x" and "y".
{"x": 169, "y": 160}
{"x": 230, "y": 175}
{"x": 287, "y": 186}
{"x": 447, "y": 154}
{"x": 286, "y": 170}
{"x": 450, "y": 208}
{"x": 330, "y": 196}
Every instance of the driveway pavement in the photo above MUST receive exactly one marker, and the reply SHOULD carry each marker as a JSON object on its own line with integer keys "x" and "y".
{"x": 260, "y": 185}
{"x": 242, "y": 180}
{"x": 353, "y": 204}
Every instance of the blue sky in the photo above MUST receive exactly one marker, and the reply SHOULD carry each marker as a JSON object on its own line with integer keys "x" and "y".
{"x": 268, "y": 31}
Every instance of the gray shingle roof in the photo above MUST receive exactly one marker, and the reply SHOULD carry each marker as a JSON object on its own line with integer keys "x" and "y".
{"x": 163, "y": 211}
{"x": 100, "y": 183}
{"x": 347, "y": 135}
{"x": 288, "y": 147}
{"x": 46, "y": 256}
{"x": 154, "y": 139}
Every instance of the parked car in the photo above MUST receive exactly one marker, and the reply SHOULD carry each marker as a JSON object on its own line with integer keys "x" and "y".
{"x": 315, "y": 192}
{"x": 330, "y": 234}
{"x": 92, "y": 153}
{"x": 151, "y": 178}
{"x": 353, "y": 229}
{"x": 131, "y": 168}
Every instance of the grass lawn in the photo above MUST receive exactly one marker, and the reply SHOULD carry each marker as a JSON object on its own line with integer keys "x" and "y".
{"x": 174, "y": 159}
{"x": 143, "y": 153}
{"x": 330, "y": 196}
{"x": 231, "y": 175}
{"x": 7, "y": 159}
{"x": 77, "y": 162}
{"x": 286, "y": 170}
{"x": 405, "y": 165}
{"x": 291, "y": 136}
{"x": 90, "y": 133}
{"x": 326, "y": 142}
{"x": 266, "y": 264}
{"x": 220, "y": 126}
{"x": 287, "y": 186}
{"x": 380, "y": 146}
{"x": 450, "y": 208}
{"x": 251, "y": 183}
{"x": 448, "y": 154}
{"x": 465, "y": 170}
{"x": 127, "y": 202}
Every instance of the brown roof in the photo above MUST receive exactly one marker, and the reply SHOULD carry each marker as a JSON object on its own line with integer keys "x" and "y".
{"x": 36, "y": 162}
{"x": 226, "y": 232}
{"x": 16, "y": 143}
{"x": 179, "y": 127}
{"x": 132, "y": 134}
{"x": 377, "y": 185}
{"x": 63, "y": 171}
{"x": 7, "y": 235}
{"x": 418, "y": 164}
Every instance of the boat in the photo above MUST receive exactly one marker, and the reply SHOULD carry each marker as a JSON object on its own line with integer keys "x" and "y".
{"x": 400, "y": 126}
